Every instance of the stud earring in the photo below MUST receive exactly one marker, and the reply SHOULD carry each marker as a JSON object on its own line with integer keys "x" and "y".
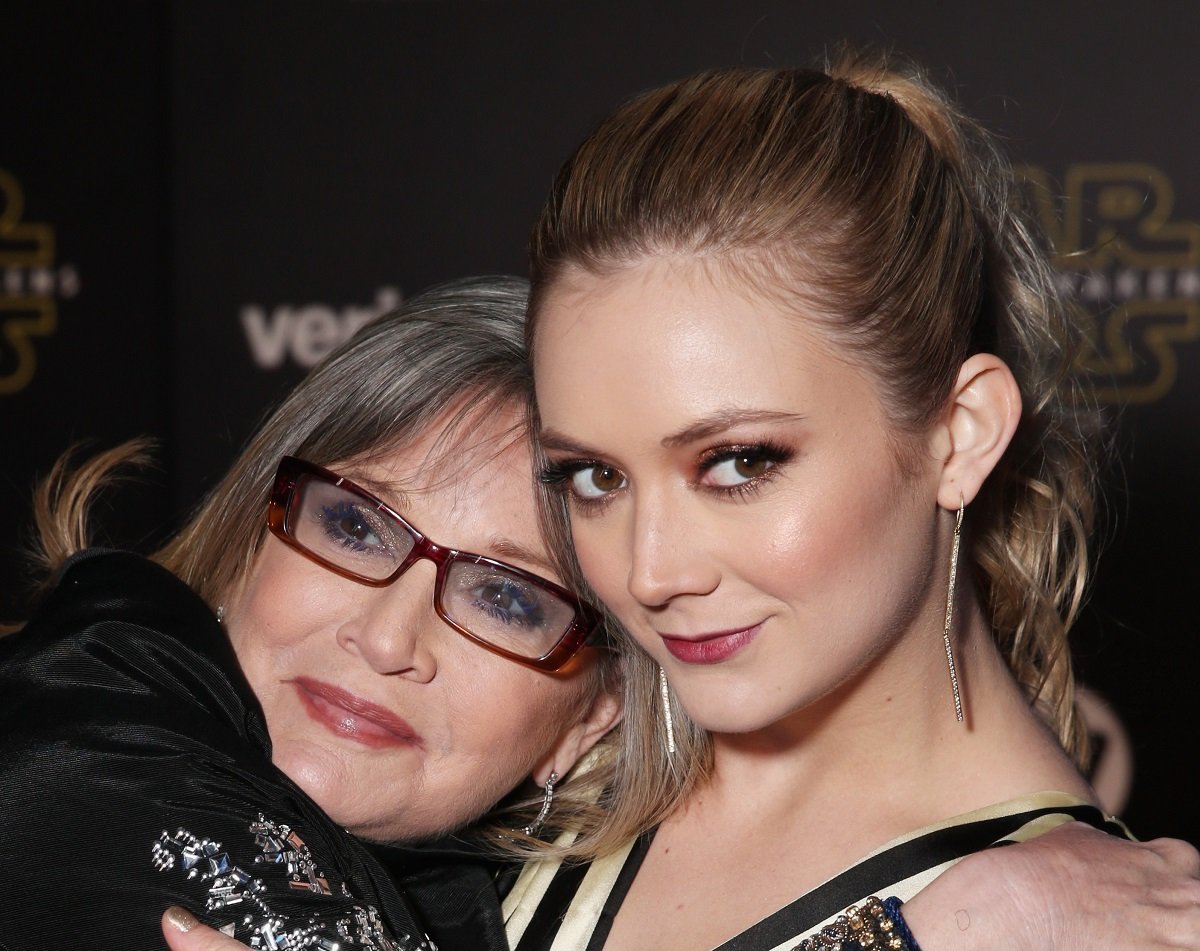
{"x": 547, "y": 799}
{"x": 665, "y": 693}
{"x": 958, "y": 710}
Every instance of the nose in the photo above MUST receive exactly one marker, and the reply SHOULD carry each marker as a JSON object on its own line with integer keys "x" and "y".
{"x": 668, "y": 558}
{"x": 395, "y": 628}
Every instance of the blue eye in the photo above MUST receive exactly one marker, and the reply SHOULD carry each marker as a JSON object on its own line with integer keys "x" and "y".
{"x": 347, "y": 525}
{"x": 504, "y": 600}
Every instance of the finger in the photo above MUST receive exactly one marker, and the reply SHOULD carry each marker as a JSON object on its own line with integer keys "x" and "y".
{"x": 184, "y": 932}
{"x": 1179, "y": 855}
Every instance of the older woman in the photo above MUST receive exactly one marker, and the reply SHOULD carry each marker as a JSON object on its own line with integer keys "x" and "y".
{"x": 804, "y": 392}
{"x": 357, "y": 638}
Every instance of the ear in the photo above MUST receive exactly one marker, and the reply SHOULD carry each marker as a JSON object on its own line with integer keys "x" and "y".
{"x": 603, "y": 714}
{"x": 980, "y": 420}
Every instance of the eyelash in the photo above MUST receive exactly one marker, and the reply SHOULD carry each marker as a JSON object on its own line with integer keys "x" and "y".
{"x": 557, "y": 475}
{"x": 775, "y": 453}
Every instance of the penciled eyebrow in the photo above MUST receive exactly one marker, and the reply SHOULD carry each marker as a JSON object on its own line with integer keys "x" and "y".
{"x": 389, "y": 493}
{"x": 505, "y": 549}
{"x": 703, "y": 428}
{"x": 719, "y": 422}
{"x": 553, "y": 439}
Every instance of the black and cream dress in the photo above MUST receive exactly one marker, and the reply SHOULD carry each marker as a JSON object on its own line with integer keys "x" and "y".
{"x": 554, "y": 907}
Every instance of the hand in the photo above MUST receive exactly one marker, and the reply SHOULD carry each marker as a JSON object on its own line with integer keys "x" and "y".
{"x": 1072, "y": 889}
{"x": 184, "y": 932}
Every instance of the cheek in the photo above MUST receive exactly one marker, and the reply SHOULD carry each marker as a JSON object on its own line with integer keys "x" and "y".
{"x": 851, "y": 544}
{"x": 499, "y": 736}
{"x": 276, "y": 616}
{"x": 285, "y": 596}
{"x": 602, "y": 555}
{"x": 862, "y": 556}
{"x": 807, "y": 539}
{"x": 502, "y": 714}
{"x": 522, "y": 717}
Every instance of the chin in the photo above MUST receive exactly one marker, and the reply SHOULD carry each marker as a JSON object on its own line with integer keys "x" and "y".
{"x": 736, "y": 714}
{"x": 360, "y": 819}
{"x": 410, "y": 826}
{"x": 730, "y": 720}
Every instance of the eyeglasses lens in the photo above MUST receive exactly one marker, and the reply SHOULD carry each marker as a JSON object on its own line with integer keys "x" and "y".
{"x": 344, "y": 528}
{"x": 505, "y": 609}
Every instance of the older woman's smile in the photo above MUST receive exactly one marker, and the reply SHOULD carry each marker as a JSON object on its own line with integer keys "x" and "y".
{"x": 353, "y": 717}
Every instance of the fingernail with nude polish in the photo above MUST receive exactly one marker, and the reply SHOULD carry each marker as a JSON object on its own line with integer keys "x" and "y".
{"x": 181, "y": 919}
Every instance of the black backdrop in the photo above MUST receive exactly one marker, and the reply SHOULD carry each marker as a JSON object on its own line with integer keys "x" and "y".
{"x": 197, "y": 200}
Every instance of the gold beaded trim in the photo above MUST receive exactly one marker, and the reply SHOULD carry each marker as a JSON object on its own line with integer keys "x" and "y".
{"x": 865, "y": 925}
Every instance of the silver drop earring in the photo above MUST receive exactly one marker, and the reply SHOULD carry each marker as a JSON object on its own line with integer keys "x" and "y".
{"x": 665, "y": 693}
{"x": 958, "y": 710}
{"x": 220, "y": 614}
{"x": 547, "y": 799}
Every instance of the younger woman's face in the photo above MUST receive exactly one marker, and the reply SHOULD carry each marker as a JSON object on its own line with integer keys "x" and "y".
{"x": 395, "y": 724}
{"x": 734, "y": 492}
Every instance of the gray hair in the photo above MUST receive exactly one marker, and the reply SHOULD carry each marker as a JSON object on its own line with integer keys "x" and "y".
{"x": 386, "y": 384}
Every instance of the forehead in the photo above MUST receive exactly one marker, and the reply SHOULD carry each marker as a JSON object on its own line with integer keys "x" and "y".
{"x": 677, "y": 301}
{"x": 469, "y": 434}
{"x": 696, "y": 333}
{"x": 466, "y": 479}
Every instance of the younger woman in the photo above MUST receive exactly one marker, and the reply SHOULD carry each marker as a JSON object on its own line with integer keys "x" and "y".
{"x": 804, "y": 387}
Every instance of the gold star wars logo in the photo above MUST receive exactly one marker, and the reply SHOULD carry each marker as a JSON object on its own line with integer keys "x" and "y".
{"x": 1133, "y": 270}
{"x": 31, "y": 284}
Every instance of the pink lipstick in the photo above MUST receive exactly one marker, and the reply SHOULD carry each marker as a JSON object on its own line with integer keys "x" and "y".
{"x": 353, "y": 717}
{"x": 709, "y": 648}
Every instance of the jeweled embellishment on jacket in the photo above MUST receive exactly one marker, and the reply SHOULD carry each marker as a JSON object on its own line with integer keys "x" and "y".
{"x": 230, "y": 888}
{"x": 282, "y": 845}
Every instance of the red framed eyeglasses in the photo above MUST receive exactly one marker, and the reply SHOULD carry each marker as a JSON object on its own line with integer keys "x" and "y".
{"x": 503, "y": 608}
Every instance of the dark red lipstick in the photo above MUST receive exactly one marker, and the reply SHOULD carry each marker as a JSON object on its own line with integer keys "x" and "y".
{"x": 709, "y": 648}
{"x": 353, "y": 717}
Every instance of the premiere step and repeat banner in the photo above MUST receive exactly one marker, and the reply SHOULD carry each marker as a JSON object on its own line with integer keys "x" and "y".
{"x": 198, "y": 201}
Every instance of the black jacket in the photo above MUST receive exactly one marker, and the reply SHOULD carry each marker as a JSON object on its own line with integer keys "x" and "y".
{"x": 135, "y": 773}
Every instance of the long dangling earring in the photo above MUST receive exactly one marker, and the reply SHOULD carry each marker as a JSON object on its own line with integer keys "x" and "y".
{"x": 665, "y": 693}
{"x": 958, "y": 710}
{"x": 547, "y": 799}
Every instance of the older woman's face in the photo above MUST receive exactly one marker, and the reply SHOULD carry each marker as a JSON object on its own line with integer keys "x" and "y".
{"x": 395, "y": 724}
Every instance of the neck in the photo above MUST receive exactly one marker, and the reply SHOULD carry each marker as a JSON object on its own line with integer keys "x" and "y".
{"x": 888, "y": 741}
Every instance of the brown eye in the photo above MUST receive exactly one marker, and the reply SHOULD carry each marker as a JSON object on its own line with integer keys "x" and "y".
{"x": 354, "y": 528}
{"x": 741, "y": 465}
{"x": 596, "y": 481}
{"x": 606, "y": 478}
{"x": 751, "y": 466}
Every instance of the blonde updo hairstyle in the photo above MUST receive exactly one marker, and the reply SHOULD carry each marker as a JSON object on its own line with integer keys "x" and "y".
{"x": 863, "y": 197}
